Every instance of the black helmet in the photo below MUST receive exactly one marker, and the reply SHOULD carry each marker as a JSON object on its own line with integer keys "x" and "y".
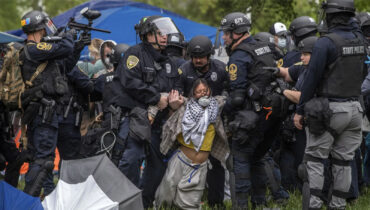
{"x": 200, "y": 46}
{"x": 152, "y": 23}
{"x": 236, "y": 22}
{"x": 264, "y": 37}
{"x": 363, "y": 18}
{"x": 36, "y": 20}
{"x": 302, "y": 25}
{"x": 339, "y": 6}
{"x": 306, "y": 45}
{"x": 118, "y": 52}
{"x": 176, "y": 40}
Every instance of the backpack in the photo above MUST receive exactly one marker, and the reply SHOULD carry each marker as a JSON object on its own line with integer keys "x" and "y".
{"x": 11, "y": 81}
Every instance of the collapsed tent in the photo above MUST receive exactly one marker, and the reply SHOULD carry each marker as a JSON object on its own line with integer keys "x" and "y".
{"x": 120, "y": 17}
{"x": 93, "y": 183}
{"x": 13, "y": 199}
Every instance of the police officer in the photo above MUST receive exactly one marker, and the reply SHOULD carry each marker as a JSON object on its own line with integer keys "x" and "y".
{"x": 294, "y": 140}
{"x": 141, "y": 76}
{"x": 176, "y": 48}
{"x": 214, "y": 71}
{"x": 300, "y": 28}
{"x": 248, "y": 82}
{"x": 339, "y": 131}
{"x": 44, "y": 62}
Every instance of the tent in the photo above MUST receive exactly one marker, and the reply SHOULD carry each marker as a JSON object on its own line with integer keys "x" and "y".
{"x": 12, "y": 199}
{"x": 93, "y": 183}
{"x": 6, "y": 38}
{"x": 120, "y": 16}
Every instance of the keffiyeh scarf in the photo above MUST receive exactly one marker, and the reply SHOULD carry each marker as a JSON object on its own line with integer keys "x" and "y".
{"x": 196, "y": 121}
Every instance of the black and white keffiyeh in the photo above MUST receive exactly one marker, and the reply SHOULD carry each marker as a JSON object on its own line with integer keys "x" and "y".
{"x": 196, "y": 121}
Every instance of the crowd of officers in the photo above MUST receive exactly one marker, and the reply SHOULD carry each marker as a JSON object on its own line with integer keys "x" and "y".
{"x": 292, "y": 114}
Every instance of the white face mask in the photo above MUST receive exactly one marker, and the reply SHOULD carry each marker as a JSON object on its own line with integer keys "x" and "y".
{"x": 281, "y": 42}
{"x": 107, "y": 61}
{"x": 204, "y": 101}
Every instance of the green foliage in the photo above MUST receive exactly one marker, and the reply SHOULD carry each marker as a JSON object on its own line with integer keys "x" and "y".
{"x": 263, "y": 12}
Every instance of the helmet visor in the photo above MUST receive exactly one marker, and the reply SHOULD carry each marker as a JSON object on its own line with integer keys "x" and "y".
{"x": 50, "y": 27}
{"x": 165, "y": 26}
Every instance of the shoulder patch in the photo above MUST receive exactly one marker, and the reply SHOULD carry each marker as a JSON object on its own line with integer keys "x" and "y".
{"x": 280, "y": 62}
{"x": 180, "y": 71}
{"x": 132, "y": 61}
{"x": 232, "y": 71}
{"x": 44, "y": 46}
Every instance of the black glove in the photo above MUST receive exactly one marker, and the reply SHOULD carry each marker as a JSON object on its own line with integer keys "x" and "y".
{"x": 72, "y": 32}
{"x": 283, "y": 85}
{"x": 274, "y": 70}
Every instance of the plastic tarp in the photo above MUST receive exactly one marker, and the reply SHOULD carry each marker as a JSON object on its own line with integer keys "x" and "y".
{"x": 120, "y": 17}
{"x": 13, "y": 199}
{"x": 93, "y": 183}
{"x": 6, "y": 38}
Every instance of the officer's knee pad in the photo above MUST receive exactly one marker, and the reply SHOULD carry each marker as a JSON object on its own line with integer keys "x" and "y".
{"x": 302, "y": 172}
{"x": 238, "y": 97}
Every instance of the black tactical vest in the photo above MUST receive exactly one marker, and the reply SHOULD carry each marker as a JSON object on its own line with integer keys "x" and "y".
{"x": 262, "y": 57}
{"x": 343, "y": 77}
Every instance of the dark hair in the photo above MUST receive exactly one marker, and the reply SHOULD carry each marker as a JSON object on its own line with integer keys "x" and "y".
{"x": 196, "y": 84}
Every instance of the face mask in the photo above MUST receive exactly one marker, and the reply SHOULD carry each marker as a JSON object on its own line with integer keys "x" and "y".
{"x": 91, "y": 57}
{"x": 204, "y": 101}
{"x": 107, "y": 61}
{"x": 282, "y": 42}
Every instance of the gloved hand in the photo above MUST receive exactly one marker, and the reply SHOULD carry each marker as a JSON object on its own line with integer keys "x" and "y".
{"x": 283, "y": 85}
{"x": 72, "y": 32}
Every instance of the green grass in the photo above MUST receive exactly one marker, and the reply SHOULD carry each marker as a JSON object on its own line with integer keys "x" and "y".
{"x": 294, "y": 202}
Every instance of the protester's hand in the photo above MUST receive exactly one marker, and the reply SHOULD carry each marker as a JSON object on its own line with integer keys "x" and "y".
{"x": 163, "y": 102}
{"x": 298, "y": 121}
{"x": 151, "y": 118}
{"x": 175, "y": 99}
{"x": 99, "y": 117}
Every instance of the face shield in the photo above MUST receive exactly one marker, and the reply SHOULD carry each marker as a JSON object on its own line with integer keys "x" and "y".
{"x": 50, "y": 27}
{"x": 165, "y": 26}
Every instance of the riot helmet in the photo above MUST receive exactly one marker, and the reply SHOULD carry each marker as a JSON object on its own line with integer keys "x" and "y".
{"x": 337, "y": 12}
{"x": 200, "y": 46}
{"x": 118, "y": 52}
{"x": 151, "y": 24}
{"x": 303, "y": 26}
{"x": 176, "y": 40}
{"x": 35, "y": 20}
{"x": 264, "y": 37}
{"x": 236, "y": 22}
{"x": 306, "y": 45}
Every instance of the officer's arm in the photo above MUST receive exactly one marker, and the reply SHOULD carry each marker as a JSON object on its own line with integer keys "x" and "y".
{"x": 323, "y": 50}
{"x": 80, "y": 80}
{"x": 292, "y": 95}
{"x": 365, "y": 87}
{"x": 130, "y": 75}
{"x": 180, "y": 82}
{"x": 45, "y": 51}
{"x": 73, "y": 58}
{"x": 284, "y": 73}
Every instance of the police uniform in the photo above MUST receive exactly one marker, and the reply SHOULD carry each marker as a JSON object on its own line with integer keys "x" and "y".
{"x": 328, "y": 77}
{"x": 249, "y": 167}
{"x": 217, "y": 78}
{"x": 290, "y": 59}
{"x": 42, "y": 135}
{"x": 139, "y": 79}
{"x": 291, "y": 151}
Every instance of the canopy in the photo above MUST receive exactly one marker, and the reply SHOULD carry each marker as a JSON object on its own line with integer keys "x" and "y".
{"x": 93, "y": 183}
{"x": 120, "y": 17}
{"x": 12, "y": 199}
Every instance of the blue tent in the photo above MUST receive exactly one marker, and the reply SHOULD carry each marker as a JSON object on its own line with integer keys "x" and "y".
{"x": 120, "y": 16}
{"x": 6, "y": 38}
{"x": 12, "y": 199}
